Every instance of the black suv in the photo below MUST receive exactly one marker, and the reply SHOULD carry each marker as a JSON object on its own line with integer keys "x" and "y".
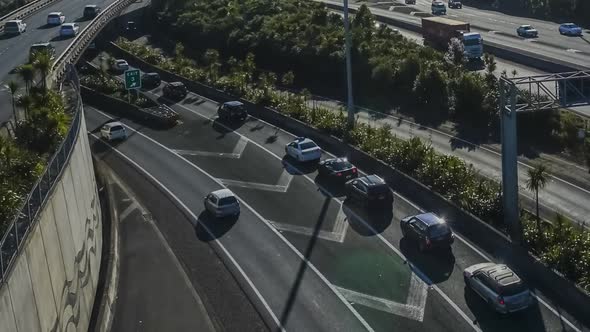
{"x": 91, "y": 11}
{"x": 175, "y": 90}
{"x": 455, "y": 4}
{"x": 150, "y": 80}
{"x": 369, "y": 191}
{"x": 232, "y": 110}
{"x": 428, "y": 230}
{"x": 337, "y": 170}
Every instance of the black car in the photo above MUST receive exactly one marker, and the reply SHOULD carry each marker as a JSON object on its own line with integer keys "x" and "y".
{"x": 91, "y": 11}
{"x": 455, "y": 4}
{"x": 232, "y": 110}
{"x": 150, "y": 80}
{"x": 428, "y": 230}
{"x": 369, "y": 191}
{"x": 175, "y": 90}
{"x": 337, "y": 169}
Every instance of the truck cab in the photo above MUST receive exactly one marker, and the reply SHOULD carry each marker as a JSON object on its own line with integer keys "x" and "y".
{"x": 473, "y": 45}
{"x": 438, "y": 8}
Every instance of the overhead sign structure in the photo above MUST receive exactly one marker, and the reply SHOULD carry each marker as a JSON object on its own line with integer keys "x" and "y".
{"x": 132, "y": 79}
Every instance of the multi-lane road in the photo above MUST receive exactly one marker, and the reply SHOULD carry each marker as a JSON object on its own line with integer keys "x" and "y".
{"x": 308, "y": 260}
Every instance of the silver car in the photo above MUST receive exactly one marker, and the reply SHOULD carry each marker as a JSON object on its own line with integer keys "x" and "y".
{"x": 499, "y": 286}
{"x": 222, "y": 203}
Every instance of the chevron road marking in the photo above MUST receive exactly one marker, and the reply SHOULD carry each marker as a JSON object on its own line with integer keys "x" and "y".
{"x": 337, "y": 234}
{"x": 235, "y": 154}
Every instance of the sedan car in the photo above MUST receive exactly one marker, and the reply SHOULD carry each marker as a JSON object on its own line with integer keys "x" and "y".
{"x": 56, "y": 18}
{"x": 69, "y": 30}
{"x": 410, "y": 2}
{"x": 527, "y": 31}
{"x": 222, "y": 203}
{"x": 232, "y": 110}
{"x": 175, "y": 90}
{"x": 120, "y": 65}
{"x": 91, "y": 11}
{"x": 15, "y": 27}
{"x": 113, "y": 131}
{"x": 151, "y": 80}
{"x": 498, "y": 286}
{"x": 570, "y": 29}
{"x": 456, "y": 4}
{"x": 428, "y": 231}
{"x": 337, "y": 169}
{"x": 303, "y": 149}
{"x": 369, "y": 191}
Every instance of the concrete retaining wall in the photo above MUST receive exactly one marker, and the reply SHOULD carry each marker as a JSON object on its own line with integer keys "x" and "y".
{"x": 53, "y": 282}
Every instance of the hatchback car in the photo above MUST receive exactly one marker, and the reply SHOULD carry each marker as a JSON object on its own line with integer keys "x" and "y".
{"x": 175, "y": 90}
{"x": 222, "y": 203}
{"x": 41, "y": 47}
{"x": 337, "y": 169}
{"x": 56, "y": 18}
{"x": 69, "y": 30}
{"x": 15, "y": 27}
{"x": 570, "y": 29}
{"x": 428, "y": 231}
{"x": 456, "y": 4}
{"x": 91, "y": 11}
{"x": 499, "y": 286}
{"x": 369, "y": 191}
{"x": 151, "y": 80}
{"x": 113, "y": 131}
{"x": 232, "y": 110}
{"x": 303, "y": 149}
{"x": 527, "y": 31}
{"x": 120, "y": 65}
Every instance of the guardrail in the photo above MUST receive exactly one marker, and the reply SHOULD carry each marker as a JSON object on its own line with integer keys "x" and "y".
{"x": 24, "y": 11}
{"x": 16, "y": 234}
{"x": 72, "y": 53}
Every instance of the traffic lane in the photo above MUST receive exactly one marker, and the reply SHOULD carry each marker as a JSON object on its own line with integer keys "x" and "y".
{"x": 445, "y": 270}
{"x": 144, "y": 288}
{"x": 267, "y": 260}
{"x": 262, "y": 133}
{"x": 226, "y": 302}
{"x": 14, "y": 51}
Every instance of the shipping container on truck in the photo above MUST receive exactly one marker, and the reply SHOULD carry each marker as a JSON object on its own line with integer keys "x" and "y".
{"x": 438, "y": 32}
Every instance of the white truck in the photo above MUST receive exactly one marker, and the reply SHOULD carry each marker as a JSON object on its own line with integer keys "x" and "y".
{"x": 438, "y": 32}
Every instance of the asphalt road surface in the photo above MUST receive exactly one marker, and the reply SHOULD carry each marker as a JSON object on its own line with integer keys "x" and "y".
{"x": 362, "y": 257}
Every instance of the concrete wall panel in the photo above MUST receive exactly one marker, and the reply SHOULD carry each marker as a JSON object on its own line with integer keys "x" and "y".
{"x": 7, "y": 322}
{"x": 23, "y": 297}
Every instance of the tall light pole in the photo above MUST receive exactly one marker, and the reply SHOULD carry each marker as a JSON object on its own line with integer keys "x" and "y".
{"x": 349, "y": 103}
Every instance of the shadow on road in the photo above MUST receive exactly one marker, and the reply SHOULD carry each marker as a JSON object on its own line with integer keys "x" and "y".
{"x": 210, "y": 228}
{"x": 46, "y": 26}
{"x": 295, "y": 167}
{"x": 437, "y": 265}
{"x": 330, "y": 188}
{"x": 60, "y": 38}
{"x": 8, "y": 36}
{"x": 367, "y": 221}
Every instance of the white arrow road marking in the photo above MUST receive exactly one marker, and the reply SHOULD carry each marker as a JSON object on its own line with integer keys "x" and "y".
{"x": 412, "y": 309}
{"x": 235, "y": 154}
{"x": 337, "y": 234}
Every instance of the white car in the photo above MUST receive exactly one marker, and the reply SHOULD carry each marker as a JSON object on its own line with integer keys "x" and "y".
{"x": 303, "y": 149}
{"x": 527, "y": 31}
{"x": 222, "y": 203}
{"x": 15, "y": 27}
{"x": 120, "y": 65}
{"x": 69, "y": 30}
{"x": 56, "y": 18}
{"x": 113, "y": 131}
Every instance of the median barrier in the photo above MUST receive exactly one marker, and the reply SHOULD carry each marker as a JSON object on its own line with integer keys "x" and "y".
{"x": 562, "y": 291}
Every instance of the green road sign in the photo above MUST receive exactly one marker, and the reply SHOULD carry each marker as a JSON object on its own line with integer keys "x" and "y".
{"x": 132, "y": 80}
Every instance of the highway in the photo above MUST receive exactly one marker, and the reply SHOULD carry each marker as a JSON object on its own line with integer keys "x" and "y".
{"x": 14, "y": 50}
{"x": 361, "y": 274}
{"x": 496, "y": 27}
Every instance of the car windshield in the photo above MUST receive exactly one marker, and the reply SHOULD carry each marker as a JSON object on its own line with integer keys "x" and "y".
{"x": 11, "y": 24}
{"x": 307, "y": 145}
{"x": 53, "y": 16}
{"x": 227, "y": 200}
{"x": 438, "y": 230}
{"x": 117, "y": 128}
{"x": 378, "y": 190}
{"x": 439, "y": 5}
{"x": 472, "y": 42}
{"x": 513, "y": 289}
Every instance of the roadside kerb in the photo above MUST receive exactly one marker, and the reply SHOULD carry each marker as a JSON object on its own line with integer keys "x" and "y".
{"x": 563, "y": 292}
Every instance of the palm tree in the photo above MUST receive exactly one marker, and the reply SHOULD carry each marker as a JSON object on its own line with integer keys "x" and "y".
{"x": 26, "y": 102}
{"x": 27, "y": 73}
{"x": 13, "y": 87}
{"x": 42, "y": 63}
{"x": 538, "y": 178}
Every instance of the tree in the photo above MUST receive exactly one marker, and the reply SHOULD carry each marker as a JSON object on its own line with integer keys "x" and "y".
{"x": 288, "y": 78}
{"x": 455, "y": 53}
{"x": 538, "y": 177}
{"x": 25, "y": 102}
{"x": 13, "y": 87}
{"x": 27, "y": 73}
{"x": 42, "y": 63}
{"x": 432, "y": 93}
{"x": 469, "y": 107}
{"x": 212, "y": 60}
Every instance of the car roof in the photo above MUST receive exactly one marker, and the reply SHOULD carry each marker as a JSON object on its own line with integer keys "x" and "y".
{"x": 113, "y": 124}
{"x": 68, "y": 25}
{"x": 41, "y": 44}
{"x": 233, "y": 103}
{"x": 176, "y": 84}
{"x": 151, "y": 74}
{"x": 372, "y": 180}
{"x": 303, "y": 140}
{"x": 568, "y": 24}
{"x": 526, "y": 26}
{"x": 223, "y": 193}
{"x": 91, "y": 6}
{"x": 120, "y": 60}
{"x": 430, "y": 219}
{"x": 336, "y": 160}
{"x": 501, "y": 274}
{"x": 55, "y": 13}
{"x": 14, "y": 21}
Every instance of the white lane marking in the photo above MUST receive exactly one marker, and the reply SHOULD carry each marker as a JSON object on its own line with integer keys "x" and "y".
{"x": 235, "y": 154}
{"x": 175, "y": 261}
{"x": 571, "y": 50}
{"x": 196, "y": 221}
{"x": 254, "y": 185}
{"x": 280, "y": 236}
{"x": 128, "y": 210}
{"x": 337, "y": 234}
{"x": 456, "y": 307}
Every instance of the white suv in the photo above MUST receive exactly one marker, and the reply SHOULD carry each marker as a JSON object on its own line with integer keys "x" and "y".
{"x": 303, "y": 149}
{"x": 15, "y": 27}
{"x": 113, "y": 131}
{"x": 56, "y": 18}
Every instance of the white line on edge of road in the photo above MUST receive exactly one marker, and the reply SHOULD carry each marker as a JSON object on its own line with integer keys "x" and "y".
{"x": 196, "y": 219}
{"x": 307, "y": 262}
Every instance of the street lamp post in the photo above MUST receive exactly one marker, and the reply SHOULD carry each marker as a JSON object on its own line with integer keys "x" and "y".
{"x": 350, "y": 103}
